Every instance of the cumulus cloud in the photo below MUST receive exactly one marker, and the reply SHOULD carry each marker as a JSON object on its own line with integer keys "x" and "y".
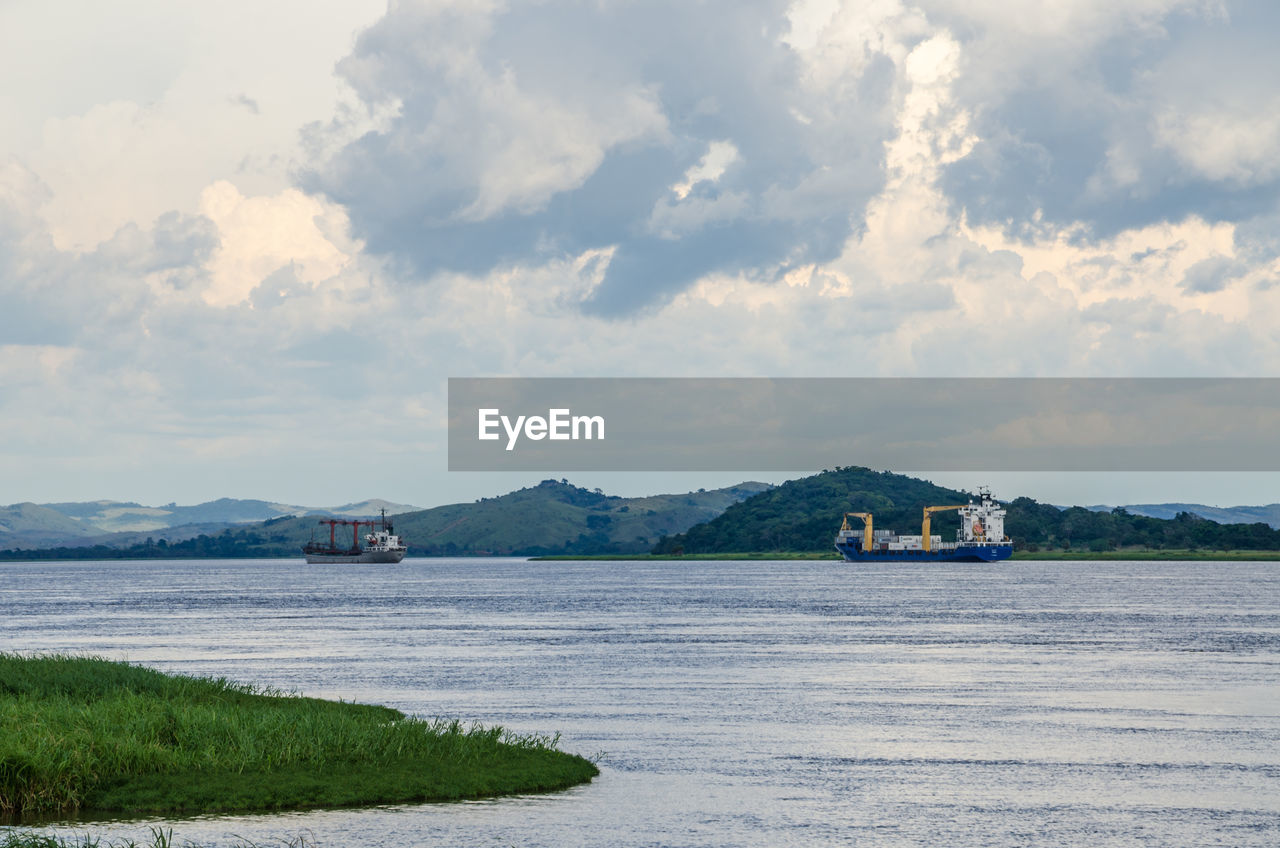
{"x": 1116, "y": 115}
{"x": 1213, "y": 274}
{"x": 261, "y": 235}
{"x": 824, "y": 188}
{"x": 128, "y": 110}
{"x": 516, "y": 133}
{"x": 527, "y": 131}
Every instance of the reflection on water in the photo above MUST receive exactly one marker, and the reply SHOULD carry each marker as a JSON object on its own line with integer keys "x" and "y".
{"x": 745, "y": 703}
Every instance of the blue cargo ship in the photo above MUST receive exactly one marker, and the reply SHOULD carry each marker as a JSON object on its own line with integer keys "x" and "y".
{"x": 980, "y": 538}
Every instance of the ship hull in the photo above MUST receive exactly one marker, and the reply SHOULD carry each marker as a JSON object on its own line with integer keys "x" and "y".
{"x": 361, "y": 557}
{"x": 962, "y": 553}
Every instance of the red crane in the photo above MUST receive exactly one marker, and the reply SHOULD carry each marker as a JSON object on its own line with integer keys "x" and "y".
{"x": 355, "y": 530}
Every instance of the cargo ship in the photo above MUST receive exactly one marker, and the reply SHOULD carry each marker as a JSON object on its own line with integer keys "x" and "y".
{"x": 381, "y": 544}
{"x": 980, "y": 538}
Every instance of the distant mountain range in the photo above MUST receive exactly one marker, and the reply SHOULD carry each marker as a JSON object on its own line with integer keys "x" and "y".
{"x": 118, "y": 522}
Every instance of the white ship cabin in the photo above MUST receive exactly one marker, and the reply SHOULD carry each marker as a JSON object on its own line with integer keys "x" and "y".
{"x": 982, "y": 522}
{"x": 381, "y": 540}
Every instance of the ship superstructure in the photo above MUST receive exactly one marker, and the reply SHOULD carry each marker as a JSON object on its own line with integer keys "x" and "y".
{"x": 381, "y": 544}
{"x": 981, "y": 537}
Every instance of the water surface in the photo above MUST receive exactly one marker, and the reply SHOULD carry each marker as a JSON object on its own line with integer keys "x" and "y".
{"x": 745, "y": 703}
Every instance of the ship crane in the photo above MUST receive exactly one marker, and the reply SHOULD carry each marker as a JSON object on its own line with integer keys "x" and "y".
{"x": 926, "y": 540}
{"x": 866, "y": 527}
{"x": 355, "y": 529}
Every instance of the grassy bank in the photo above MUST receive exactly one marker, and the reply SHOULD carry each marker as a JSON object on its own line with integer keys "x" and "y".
{"x": 85, "y": 734}
{"x": 160, "y": 838}
{"x": 1126, "y": 554}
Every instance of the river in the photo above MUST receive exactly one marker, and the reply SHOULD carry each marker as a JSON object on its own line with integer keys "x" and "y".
{"x": 743, "y": 703}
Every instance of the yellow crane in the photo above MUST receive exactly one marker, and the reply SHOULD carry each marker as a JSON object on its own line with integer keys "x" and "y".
{"x": 866, "y": 527}
{"x": 925, "y": 539}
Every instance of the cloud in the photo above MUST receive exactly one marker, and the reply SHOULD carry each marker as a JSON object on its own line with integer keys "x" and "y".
{"x": 822, "y": 189}
{"x": 247, "y": 102}
{"x": 525, "y": 132}
{"x": 1116, "y": 115}
{"x": 260, "y": 235}
{"x": 1215, "y": 99}
{"x": 516, "y": 133}
{"x": 1212, "y": 275}
{"x": 128, "y": 110}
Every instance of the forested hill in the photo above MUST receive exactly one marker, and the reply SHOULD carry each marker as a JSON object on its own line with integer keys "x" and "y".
{"x": 804, "y": 515}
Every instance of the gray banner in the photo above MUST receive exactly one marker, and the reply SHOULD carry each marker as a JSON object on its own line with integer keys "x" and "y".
{"x": 942, "y": 424}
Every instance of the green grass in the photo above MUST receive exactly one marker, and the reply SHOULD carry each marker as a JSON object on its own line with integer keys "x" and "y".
{"x": 160, "y": 838}
{"x": 86, "y": 734}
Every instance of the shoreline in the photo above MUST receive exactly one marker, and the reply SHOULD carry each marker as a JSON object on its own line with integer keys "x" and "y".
{"x": 1168, "y": 555}
{"x": 92, "y": 736}
{"x": 1018, "y": 556}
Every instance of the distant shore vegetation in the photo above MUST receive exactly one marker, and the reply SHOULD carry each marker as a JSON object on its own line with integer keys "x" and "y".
{"x": 557, "y": 519}
{"x": 88, "y": 735}
{"x": 803, "y": 516}
{"x": 1123, "y": 554}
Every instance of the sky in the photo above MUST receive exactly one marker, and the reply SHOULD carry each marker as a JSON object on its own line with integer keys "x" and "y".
{"x": 243, "y": 245}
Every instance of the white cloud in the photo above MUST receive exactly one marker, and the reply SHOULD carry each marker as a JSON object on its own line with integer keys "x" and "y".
{"x": 534, "y": 149}
{"x": 524, "y": 131}
{"x": 492, "y": 136}
{"x": 260, "y": 235}
{"x": 127, "y": 110}
{"x": 1240, "y": 146}
{"x": 719, "y": 156}
{"x": 1035, "y": 43}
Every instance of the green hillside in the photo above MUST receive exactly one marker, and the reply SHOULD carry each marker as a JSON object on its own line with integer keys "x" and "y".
{"x": 35, "y": 525}
{"x": 558, "y": 518}
{"x": 804, "y": 515}
{"x": 553, "y": 517}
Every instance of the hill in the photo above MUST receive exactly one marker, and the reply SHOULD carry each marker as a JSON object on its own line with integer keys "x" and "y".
{"x": 119, "y": 516}
{"x": 33, "y": 525}
{"x": 556, "y": 517}
{"x": 122, "y": 523}
{"x": 803, "y": 515}
{"x": 553, "y": 517}
{"x": 1268, "y": 514}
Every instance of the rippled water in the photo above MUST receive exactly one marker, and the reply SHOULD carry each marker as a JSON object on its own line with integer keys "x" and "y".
{"x": 746, "y": 703}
